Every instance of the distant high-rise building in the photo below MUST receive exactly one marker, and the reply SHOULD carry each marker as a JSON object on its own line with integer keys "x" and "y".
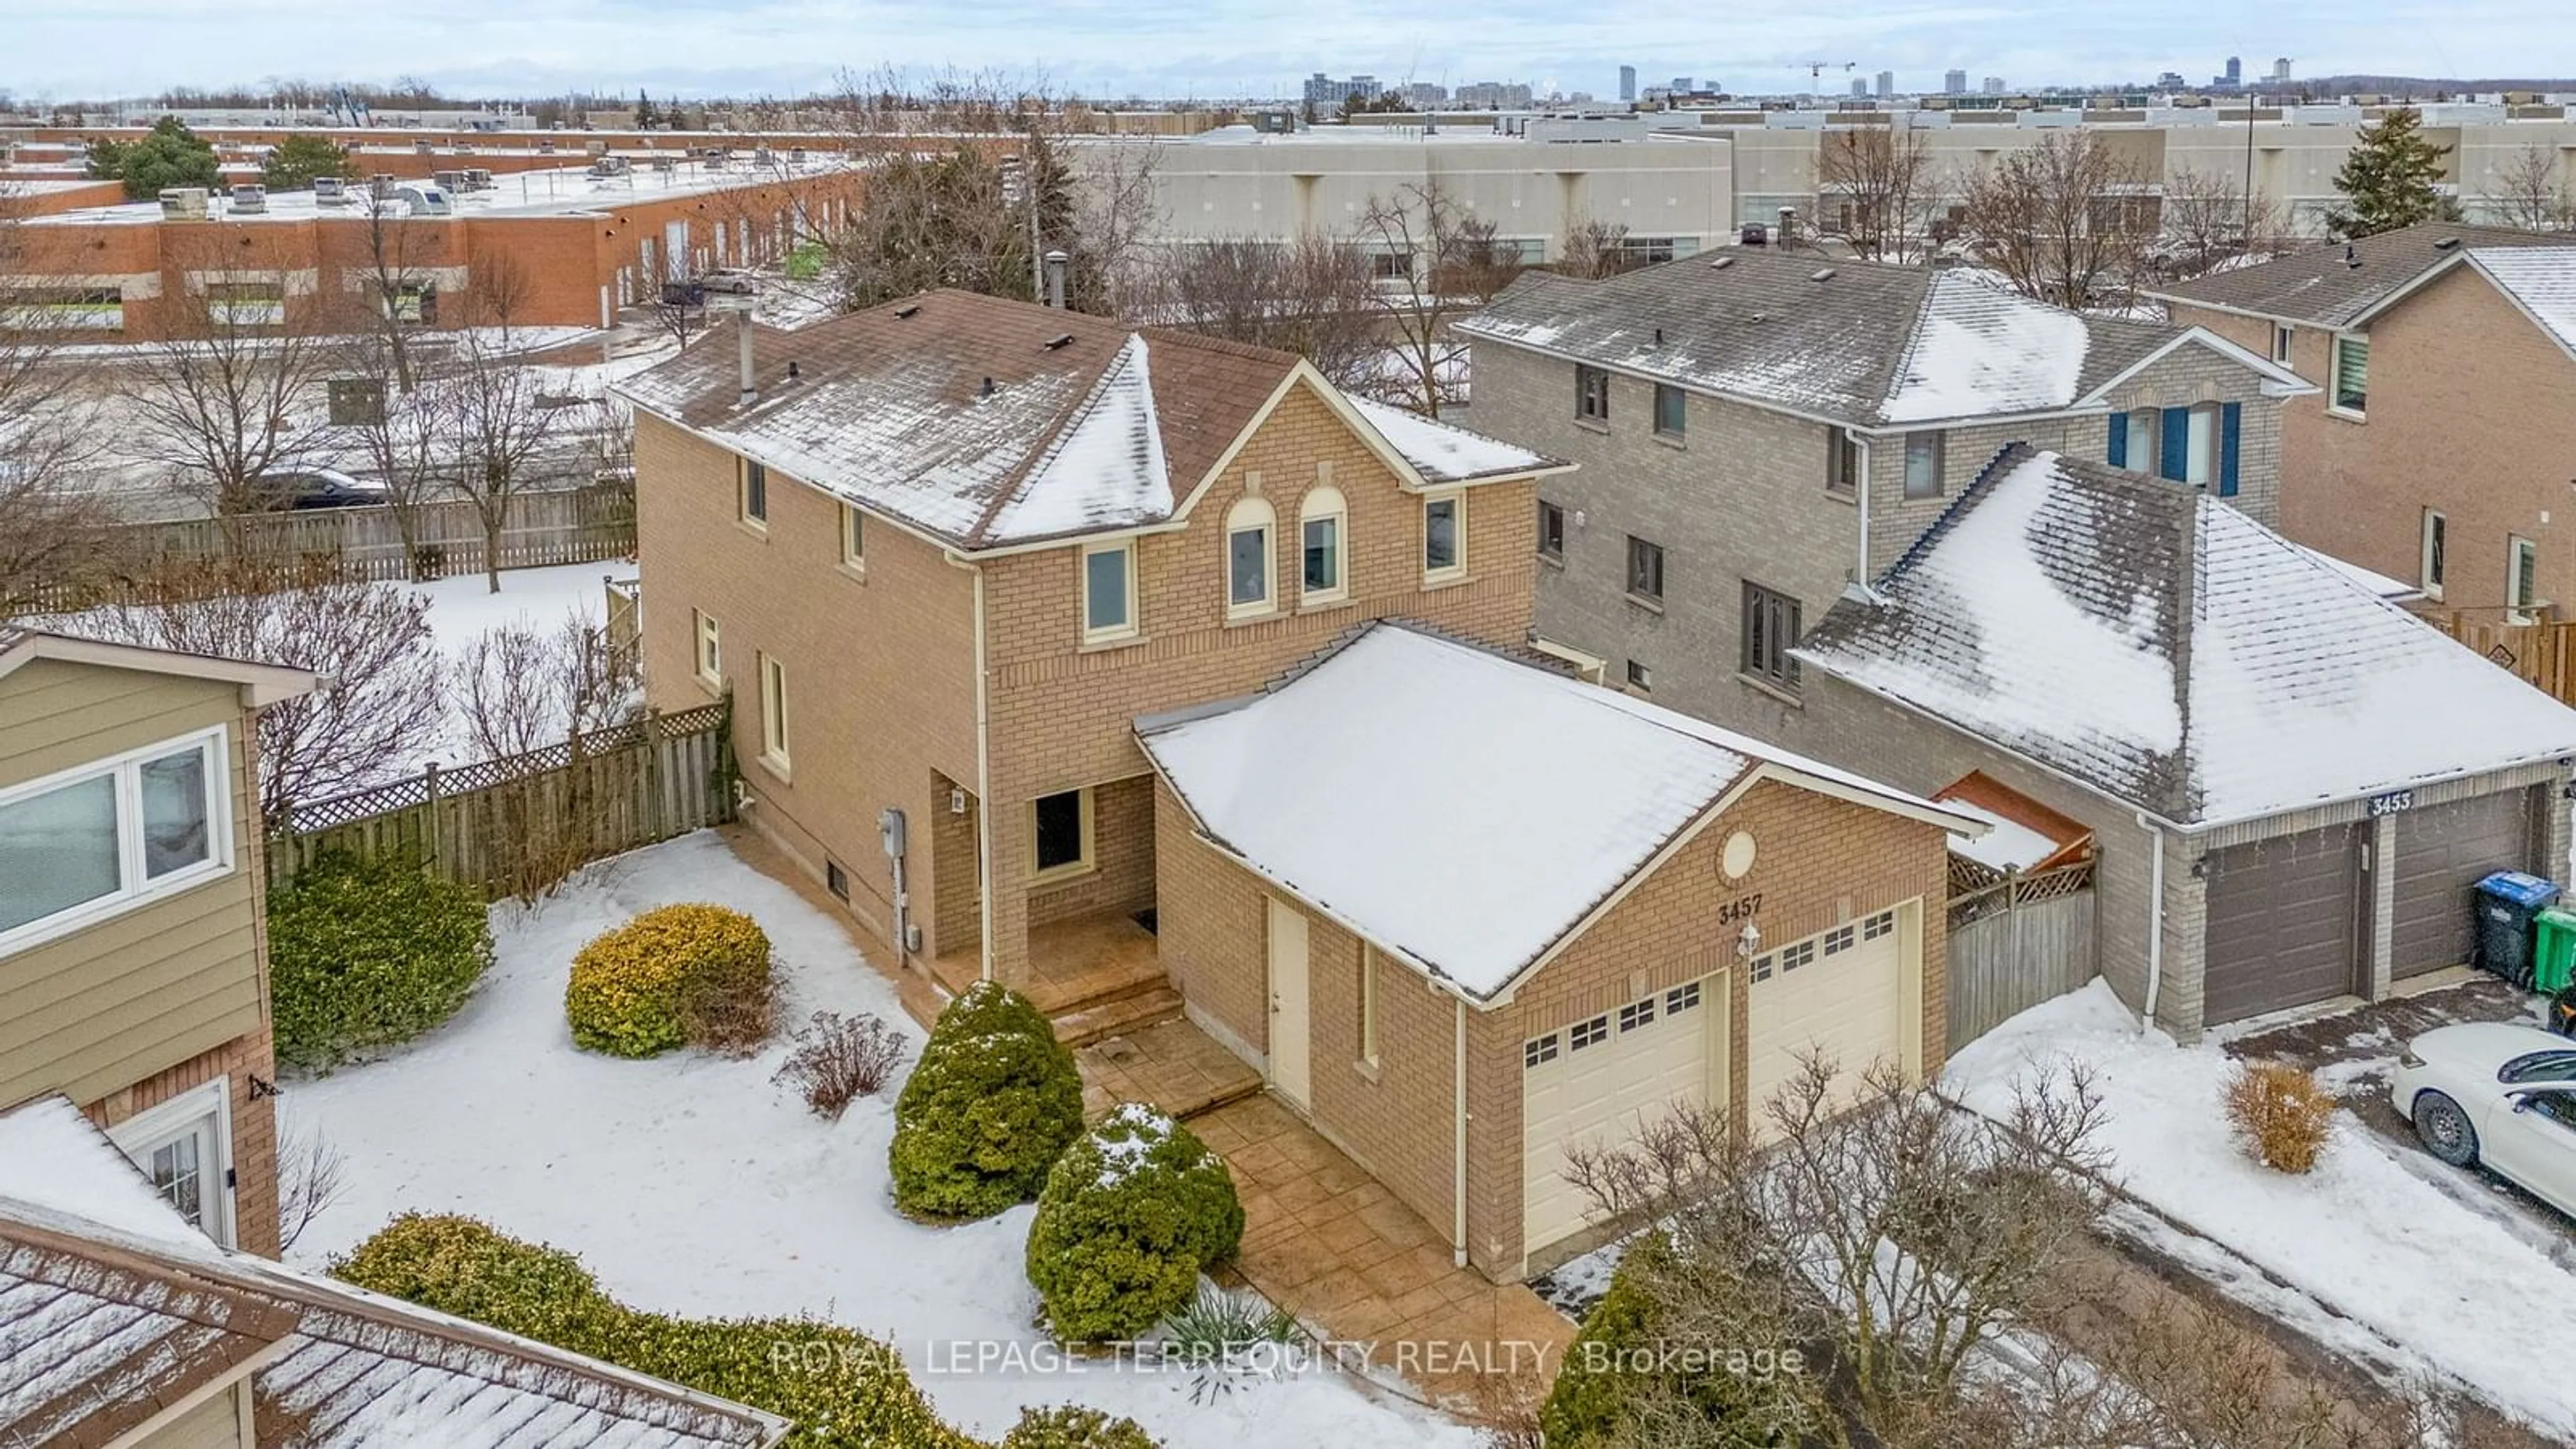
{"x": 1994, "y": 85}
{"x": 1859, "y": 87}
{"x": 1955, "y": 83}
{"x": 1682, "y": 85}
{"x": 1627, "y": 82}
{"x": 1491, "y": 96}
{"x": 1425, "y": 96}
{"x": 2281, "y": 68}
{"x": 2236, "y": 70}
{"x": 1327, "y": 93}
{"x": 2170, "y": 81}
{"x": 1886, "y": 84}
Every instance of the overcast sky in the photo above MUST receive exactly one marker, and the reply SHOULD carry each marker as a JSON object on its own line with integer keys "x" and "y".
{"x": 65, "y": 48}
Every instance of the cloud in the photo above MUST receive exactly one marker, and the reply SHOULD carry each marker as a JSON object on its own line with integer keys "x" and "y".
{"x": 1224, "y": 48}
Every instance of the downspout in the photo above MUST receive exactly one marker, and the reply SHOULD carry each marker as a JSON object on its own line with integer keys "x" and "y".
{"x": 2155, "y": 918}
{"x": 1458, "y": 1189}
{"x": 1860, "y": 589}
{"x": 983, "y": 796}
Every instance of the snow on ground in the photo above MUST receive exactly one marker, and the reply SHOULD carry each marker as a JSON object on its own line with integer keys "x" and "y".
{"x": 695, "y": 1185}
{"x": 462, "y": 609}
{"x": 2369, "y": 1234}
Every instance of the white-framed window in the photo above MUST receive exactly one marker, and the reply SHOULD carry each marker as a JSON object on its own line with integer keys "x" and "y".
{"x": 1108, "y": 592}
{"x": 1323, "y": 526}
{"x": 2200, "y": 445}
{"x": 773, "y": 710}
{"x": 2146, "y": 439}
{"x": 2349, "y": 390}
{"x": 184, "y": 1146}
{"x": 1249, "y": 526}
{"x": 1842, "y": 463}
{"x": 751, "y": 494}
{"x": 1923, "y": 465}
{"x": 2522, "y": 579}
{"x": 92, "y": 841}
{"x": 1444, "y": 536}
{"x": 1591, "y": 393}
{"x": 2283, "y": 336}
{"x": 1672, "y": 411}
{"x": 1060, "y": 835}
{"x": 710, "y": 659}
{"x": 2429, "y": 562}
{"x": 1368, "y": 1004}
{"x": 854, "y": 537}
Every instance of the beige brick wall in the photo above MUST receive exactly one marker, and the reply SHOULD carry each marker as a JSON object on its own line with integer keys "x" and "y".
{"x": 254, "y": 1126}
{"x": 2472, "y": 412}
{"x": 1820, "y": 861}
{"x": 1122, "y": 850}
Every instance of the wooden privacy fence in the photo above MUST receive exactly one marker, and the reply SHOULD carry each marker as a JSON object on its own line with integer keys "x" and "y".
{"x": 515, "y": 826}
{"x": 2541, "y": 653}
{"x": 2017, "y": 942}
{"x": 578, "y": 525}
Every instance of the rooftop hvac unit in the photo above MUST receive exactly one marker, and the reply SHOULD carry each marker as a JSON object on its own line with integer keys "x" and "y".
{"x": 477, "y": 178}
{"x": 183, "y": 203}
{"x": 608, "y": 167}
{"x": 425, "y": 199}
{"x": 450, "y": 181}
{"x": 665, "y": 164}
{"x": 421, "y": 148}
{"x": 249, "y": 198}
{"x": 760, "y": 156}
{"x": 795, "y": 155}
{"x": 330, "y": 191}
{"x": 546, "y": 146}
{"x": 380, "y": 187}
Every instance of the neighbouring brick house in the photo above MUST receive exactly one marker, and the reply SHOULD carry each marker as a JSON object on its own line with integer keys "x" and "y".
{"x": 945, "y": 555}
{"x": 133, "y": 944}
{"x": 1458, "y": 950}
{"x": 2292, "y": 783}
{"x": 2441, "y": 441}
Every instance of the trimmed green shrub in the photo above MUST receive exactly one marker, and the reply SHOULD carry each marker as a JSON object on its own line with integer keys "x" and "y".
{"x": 1068, "y": 1427}
{"x": 840, "y": 1388}
{"x": 366, "y": 954}
{"x": 1613, "y": 1358}
{"x": 691, "y": 974}
{"x": 993, "y": 1100}
{"x": 1132, "y": 1212}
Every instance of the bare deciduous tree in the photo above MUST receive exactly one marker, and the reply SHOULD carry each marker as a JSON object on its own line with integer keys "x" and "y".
{"x": 309, "y": 1179}
{"x": 1432, "y": 261}
{"x": 233, "y": 390}
{"x": 1875, "y": 188}
{"x": 522, "y": 688}
{"x": 47, "y": 433}
{"x": 1309, "y": 296}
{"x": 496, "y": 419}
{"x": 1595, "y": 249}
{"x": 381, "y": 698}
{"x": 2530, "y": 191}
{"x": 2066, "y": 221}
{"x": 2207, "y": 219}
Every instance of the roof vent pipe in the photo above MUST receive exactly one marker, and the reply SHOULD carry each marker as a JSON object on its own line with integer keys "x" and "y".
{"x": 742, "y": 354}
{"x": 1056, "y": 262}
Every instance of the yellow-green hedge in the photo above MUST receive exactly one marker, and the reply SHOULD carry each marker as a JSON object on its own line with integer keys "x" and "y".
{"x": 634, "y": 990}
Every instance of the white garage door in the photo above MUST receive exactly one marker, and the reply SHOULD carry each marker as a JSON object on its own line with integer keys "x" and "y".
{"x": 1842, "y": 992}
{"x": 1597, "y": 1083}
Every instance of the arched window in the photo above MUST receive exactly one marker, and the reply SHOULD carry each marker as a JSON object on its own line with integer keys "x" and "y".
{"x": 1323, "y": 528}
{"x": 1248, "y": 527}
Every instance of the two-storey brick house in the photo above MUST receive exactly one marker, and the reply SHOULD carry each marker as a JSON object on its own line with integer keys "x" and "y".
{"x": 985, "y": 566}
{"x": 2441, "y": 441}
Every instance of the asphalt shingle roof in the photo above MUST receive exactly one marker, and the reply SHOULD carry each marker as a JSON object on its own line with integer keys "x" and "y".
{"x": 2542, "y": 280}
{"x": 1862, "y": 343}
{"x": 2161, "y": 646}
{"x": 2330, "y": 285}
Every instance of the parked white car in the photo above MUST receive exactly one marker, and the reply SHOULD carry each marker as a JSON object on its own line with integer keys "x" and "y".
{"x": 2500, "y": 1094}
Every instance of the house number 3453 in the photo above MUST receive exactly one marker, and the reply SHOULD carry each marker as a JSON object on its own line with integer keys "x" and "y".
{"x": 1739, "y": 910}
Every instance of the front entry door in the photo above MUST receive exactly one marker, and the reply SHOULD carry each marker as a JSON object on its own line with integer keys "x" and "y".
{"x": 1288, "y": 1015}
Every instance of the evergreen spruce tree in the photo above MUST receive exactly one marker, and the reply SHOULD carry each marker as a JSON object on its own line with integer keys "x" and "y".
{"x": 2387, "y": 180}
{"x": 295, "y": 161}
{"x": 644, "y": 116}
{"x": 169, "y": 155}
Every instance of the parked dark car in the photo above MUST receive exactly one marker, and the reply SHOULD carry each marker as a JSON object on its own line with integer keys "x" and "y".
{"x": 314, "y": 488}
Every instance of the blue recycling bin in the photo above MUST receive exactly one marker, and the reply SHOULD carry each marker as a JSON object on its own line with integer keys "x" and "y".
{"x": 2508, "y": 904}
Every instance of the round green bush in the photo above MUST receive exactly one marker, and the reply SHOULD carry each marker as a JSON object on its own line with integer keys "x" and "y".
{"x": 367, "y": 954}
{"x": 1133, "y": 1211}
{"x": 839, "y": 1388}
{"x": 640, "y": 989}
{"x": 1610, "y": 1362}
{"x": 1068, "y": 1427}
{"x": 993, "y": 1100}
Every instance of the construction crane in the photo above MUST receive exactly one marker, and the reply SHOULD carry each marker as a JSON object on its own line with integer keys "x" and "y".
{"x": 1816, "y": 68}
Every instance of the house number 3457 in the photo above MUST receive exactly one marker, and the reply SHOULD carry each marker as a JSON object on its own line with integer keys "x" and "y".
{"x": 1739, "y": 910}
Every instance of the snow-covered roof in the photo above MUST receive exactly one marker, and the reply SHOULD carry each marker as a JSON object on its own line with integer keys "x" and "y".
{"x": 2394, "y": 590}
{"x": 2337, "y": 283}
{"x": 1853, "y": 342}
{"x": 2006, "y": 845}
{"x": 1379, "y": 784}
{"x": 988, "y": 423}
{"x": 112, "y": 1307}
{"x": 2161, "y": 646}
{"x": 2541, "y": 280}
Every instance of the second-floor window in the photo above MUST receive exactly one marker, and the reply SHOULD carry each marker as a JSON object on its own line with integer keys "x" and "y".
{"x": 1922, "y": 465}
{"x": 754, "y": 494}
{"x": 1247, "y": 557}
{"x": 1591, "y": 393}
{"x": 854, "y": 536}
{"x": 1770, "y": 632}
{"x": 1108, "y": 592}
{"x": 87, "y": 841}
{"x": 1321, "y": 517}
{"x": 1551, "y": 531}
{"x": 773, "y": 711}
{"x": 2429, "y": 572}
{"x": 1444, "y": 537}
{"x": 1842, "y": 463}
{"x": 2351, "y": 386}
{"x": 2200, "y": 445}
{"x": 1645, "y": 569}
{"x": 2283, "y": 336}
{"x": 1672, "y": 411}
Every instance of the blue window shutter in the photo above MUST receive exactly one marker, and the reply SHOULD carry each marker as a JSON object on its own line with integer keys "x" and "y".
{"x": 2229, "y": 416}
{"x": 2118, "y": 452}
{"x": 2173, "y": 457}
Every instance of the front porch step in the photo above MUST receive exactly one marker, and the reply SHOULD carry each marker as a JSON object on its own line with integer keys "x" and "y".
{"x": 1126, "y": 1011}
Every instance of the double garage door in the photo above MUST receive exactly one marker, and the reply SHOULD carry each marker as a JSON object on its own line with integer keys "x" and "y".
{"x": 1601, "y": 1081}
{"x": 2289, "y": 918}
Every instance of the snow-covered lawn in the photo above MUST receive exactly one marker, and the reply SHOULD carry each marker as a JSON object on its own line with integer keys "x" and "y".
{"x": 462, "y": 609}
{"x": 2377, "y": 1234}
{"x": 695, "y": 1185}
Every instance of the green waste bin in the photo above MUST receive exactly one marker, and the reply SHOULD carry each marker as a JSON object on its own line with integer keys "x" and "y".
{"x": 2554, "y": 951}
